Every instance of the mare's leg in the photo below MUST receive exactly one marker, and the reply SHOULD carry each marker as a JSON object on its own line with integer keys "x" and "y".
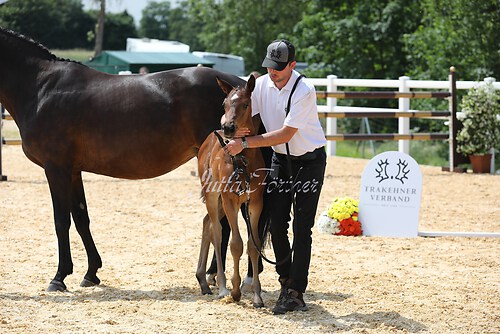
{"x": 236, "y": 245}
{"x": 252, "y": 248}
{"x": 202, "y": 259}
{"x": 59, "y": 180}
{"x": 82, "y": 222}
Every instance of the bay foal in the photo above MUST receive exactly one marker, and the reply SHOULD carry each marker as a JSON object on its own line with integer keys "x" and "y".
{"x": 227, "y": 183}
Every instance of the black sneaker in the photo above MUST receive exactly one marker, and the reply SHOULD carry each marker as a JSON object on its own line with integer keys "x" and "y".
{"x": 283, "y": 293}
{"x": 292, "y": 301}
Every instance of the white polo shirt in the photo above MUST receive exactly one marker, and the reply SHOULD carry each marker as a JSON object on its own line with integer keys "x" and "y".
{"x": 270, "y": 103}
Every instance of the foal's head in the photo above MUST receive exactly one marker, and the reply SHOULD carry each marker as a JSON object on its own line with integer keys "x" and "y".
{"x": 237, "y": 106}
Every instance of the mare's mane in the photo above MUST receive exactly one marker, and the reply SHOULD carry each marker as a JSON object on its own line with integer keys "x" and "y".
{"x": 27, "y": 46}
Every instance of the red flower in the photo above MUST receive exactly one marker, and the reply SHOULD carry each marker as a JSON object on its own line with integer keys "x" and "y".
{"x": 350, "y": 226}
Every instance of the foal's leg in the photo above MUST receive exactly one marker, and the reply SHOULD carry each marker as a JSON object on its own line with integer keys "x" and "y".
{"x": 59, "y": 180}
{"x": 236, "y": 243}
{"x": 82, "y": 222}
{"x": 202, "y": 259}
{"x": 215, "y": 212}
{"x": 255, "y": 211}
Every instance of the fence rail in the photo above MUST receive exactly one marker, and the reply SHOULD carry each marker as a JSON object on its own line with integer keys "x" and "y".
{"x": 385, "y": 114}
{"x": 11, "y": 141}
{"x": 382, "y": 95}
{"x": 389, "y": 136}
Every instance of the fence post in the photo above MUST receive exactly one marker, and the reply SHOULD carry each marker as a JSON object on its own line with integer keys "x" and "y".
{"x": 2, "y": 110}
{"x": 491, "y": 80}
{"x": 331, "y": 122}
{"x": 453, "y": 123}
{"x": 404, "y": 122}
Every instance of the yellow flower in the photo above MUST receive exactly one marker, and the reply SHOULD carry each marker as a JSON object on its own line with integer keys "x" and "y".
{"x": 343, "y": 208}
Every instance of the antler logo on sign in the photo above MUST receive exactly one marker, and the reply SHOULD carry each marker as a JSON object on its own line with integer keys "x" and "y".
{"x": 390, "y": 193}
{"x": 401, "y": 175}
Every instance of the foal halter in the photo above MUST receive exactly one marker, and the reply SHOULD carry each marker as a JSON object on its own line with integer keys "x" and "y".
{"x": 240, "y": 164}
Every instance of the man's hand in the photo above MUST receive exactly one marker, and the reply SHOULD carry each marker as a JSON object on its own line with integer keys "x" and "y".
{"x": 234, "y": 147}
{"x": 241, "y": 132}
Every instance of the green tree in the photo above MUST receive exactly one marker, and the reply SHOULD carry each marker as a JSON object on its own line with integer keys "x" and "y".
{"x": 119, "y": 26}
{"x": 155, "y": 21}
{"x": 462, "y": 33}
{"x": 183, "y": 28}
{"x": 244, "y": 27}
{"x": 357, "y": 39}
{"x": 54, "y": 23}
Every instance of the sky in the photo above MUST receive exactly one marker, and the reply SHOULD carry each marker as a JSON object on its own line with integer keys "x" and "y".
{"x": 133, "y": 7}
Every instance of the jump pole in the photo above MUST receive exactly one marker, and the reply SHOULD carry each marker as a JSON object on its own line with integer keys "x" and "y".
{"x": 459, "y": 234}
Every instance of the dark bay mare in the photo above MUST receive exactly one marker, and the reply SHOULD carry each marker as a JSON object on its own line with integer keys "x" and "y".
{"x": 72, "y": 119}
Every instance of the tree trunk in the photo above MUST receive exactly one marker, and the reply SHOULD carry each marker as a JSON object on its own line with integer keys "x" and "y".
{"x": 99, "y": 36}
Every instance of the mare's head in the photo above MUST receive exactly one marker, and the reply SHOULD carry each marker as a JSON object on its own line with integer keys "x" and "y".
{"x": 237, "y": 106}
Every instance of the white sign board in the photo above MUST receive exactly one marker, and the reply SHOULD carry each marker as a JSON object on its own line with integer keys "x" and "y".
{"x": 390, "y": 193}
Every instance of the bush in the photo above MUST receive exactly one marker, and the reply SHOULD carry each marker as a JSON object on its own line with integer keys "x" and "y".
{"x": 481, "y": 121}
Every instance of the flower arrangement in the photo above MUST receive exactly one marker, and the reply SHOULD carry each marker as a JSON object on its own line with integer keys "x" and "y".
{"x": 480, "y": 119}
{"x": 341, "y": 218}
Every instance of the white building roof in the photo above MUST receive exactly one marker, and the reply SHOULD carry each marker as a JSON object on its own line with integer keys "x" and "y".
{"x": 155, "y": 45}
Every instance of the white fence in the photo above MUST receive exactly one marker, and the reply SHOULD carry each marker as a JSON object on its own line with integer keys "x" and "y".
{"x": 403, "y": 84}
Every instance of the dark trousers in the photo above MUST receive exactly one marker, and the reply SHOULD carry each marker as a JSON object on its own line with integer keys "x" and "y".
{"x": 304, "y": 188}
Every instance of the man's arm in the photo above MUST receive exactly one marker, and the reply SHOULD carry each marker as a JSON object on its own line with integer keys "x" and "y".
{"x": 272, "y": 138}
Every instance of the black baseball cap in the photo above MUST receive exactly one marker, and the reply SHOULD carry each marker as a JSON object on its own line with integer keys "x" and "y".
{"x": 279, "y": 53}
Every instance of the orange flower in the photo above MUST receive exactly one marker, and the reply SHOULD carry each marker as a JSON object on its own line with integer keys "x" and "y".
{"x": 350, "y": 226}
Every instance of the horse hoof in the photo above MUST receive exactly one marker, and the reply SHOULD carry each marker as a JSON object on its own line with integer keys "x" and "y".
{"x": 87, "y": 283}
{"x": 246, "y": 286}
{"x": 223, "y": 293}
{"x": 206, "y": 291}
{"x": 236, "y": 296}
{"x": 56, "y": 286}
{"x": 211, "y": 279}
{"x": 258, "y": 305}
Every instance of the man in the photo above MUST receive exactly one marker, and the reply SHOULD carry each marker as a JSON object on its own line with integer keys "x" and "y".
{"x": 298, "y": 183}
